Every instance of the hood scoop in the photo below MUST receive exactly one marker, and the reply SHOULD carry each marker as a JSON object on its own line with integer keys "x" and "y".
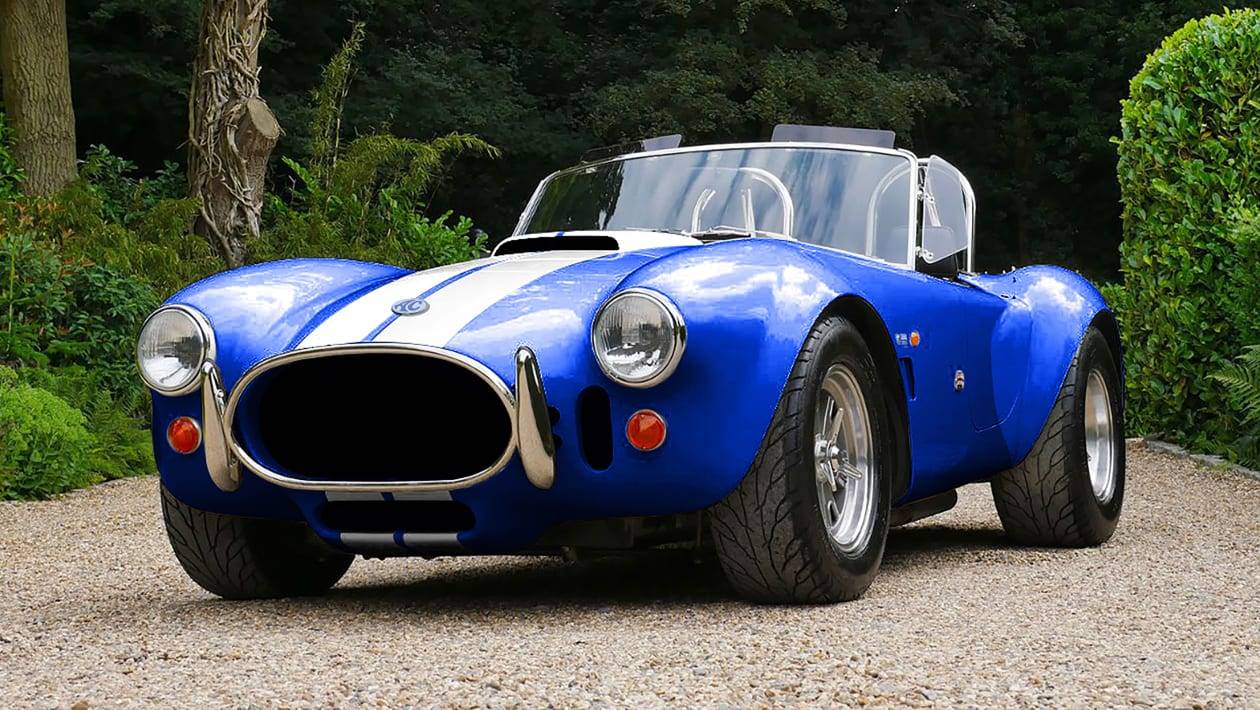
{"x": 592, "y": 241}
{"x": 529, "y": 245}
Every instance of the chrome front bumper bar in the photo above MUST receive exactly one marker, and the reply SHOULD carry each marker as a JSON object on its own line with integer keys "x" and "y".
{"x": 526, "y": 407}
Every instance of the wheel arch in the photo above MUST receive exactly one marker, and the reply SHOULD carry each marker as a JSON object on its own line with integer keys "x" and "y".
{"x": 871, "y": 326}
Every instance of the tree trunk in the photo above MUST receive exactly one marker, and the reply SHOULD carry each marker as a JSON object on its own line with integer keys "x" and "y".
{"x": 35, "y": 69}
{"x": 231, "y": 131}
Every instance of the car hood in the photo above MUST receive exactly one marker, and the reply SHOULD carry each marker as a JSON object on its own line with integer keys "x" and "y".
{"x": 484, "y": 308}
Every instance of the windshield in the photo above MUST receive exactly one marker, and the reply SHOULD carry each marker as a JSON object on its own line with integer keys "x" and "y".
{"x": 850, "y": 199}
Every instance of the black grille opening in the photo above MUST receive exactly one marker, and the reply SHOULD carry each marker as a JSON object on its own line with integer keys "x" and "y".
{"x": 378, "y": 416}
{"x": 381, "y": 516}
{"x": 595, "y": 427}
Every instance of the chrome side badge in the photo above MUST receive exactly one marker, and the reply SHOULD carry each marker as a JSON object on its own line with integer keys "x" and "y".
{"x": 410, "y": 307}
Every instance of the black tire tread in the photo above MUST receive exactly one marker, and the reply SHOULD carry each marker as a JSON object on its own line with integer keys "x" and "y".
{"x": 1046, "y": 500}
{"x": 242, "y": 558}
{"x": 759, "y": 542}
{"x": 1034, "y": 499}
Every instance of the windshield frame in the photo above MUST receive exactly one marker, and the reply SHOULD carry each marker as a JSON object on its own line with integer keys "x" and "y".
{"x": 916, "y": 188}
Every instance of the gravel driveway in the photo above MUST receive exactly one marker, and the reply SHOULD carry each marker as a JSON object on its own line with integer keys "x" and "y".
{"x": 94, "y": 608}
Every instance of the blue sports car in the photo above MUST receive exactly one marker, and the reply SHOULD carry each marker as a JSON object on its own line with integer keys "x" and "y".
{"x": 778, "y": 350}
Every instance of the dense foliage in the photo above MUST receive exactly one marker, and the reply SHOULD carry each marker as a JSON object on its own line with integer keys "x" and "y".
{"x": 1023, "y": 96}
{"x": 1190, "y": 177}
{"x": 366, "y": 200}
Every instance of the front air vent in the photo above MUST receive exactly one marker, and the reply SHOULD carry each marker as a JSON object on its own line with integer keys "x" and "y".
{"x": 595, "y": 427}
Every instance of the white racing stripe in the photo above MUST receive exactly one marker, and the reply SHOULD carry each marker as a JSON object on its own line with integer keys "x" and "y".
{"x": 354, "y": 322}
{"x": 456, "y": 305}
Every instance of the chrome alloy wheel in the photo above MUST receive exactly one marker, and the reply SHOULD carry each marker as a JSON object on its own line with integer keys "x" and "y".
{"x": 844, "y": 464}
{"x": 1100, "y": 439}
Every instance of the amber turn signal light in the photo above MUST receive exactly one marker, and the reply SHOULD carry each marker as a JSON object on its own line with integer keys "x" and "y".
{"x": 646, "y": 430}
{"x": 184, "y": 435}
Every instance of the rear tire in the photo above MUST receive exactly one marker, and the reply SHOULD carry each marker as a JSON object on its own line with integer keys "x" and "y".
{"x": 248, "y": 558}
{"x": 790, "y": 533}
{"x": 1069, "y": 490}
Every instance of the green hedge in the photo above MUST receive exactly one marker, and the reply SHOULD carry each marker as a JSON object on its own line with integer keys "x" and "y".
{"x": 1189, "y": 172}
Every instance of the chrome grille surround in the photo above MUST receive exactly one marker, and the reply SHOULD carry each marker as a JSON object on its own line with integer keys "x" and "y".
{"x": 484, "y": 373}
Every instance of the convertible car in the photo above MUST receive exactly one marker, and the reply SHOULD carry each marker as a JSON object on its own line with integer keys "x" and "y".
{"x": 778, "y": 350}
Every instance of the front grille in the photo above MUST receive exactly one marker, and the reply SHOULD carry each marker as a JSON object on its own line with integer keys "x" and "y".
{"x": 374, "y": 417}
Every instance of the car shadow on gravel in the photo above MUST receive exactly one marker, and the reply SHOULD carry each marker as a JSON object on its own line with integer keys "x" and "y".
{"x": 927, "y": 544}
{"x": 649, "y": 578}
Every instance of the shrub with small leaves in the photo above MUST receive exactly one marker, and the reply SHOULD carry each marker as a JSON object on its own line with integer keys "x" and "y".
{"x": 123, "y": 444}
{"x": 1189, "y": 175}
{"x": 45, "y": 447}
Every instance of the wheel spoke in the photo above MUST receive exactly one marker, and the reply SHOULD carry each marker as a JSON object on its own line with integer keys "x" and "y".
{"x": 849, "y": 471}
{"x": 833, "y": 431}
{"x": 828, "y": 476}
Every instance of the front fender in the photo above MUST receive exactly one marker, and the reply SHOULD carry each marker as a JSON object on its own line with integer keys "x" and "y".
{"x": 748, "y": 306}
{"x": 266, "y": 309}
{"x": 256, "y": 312}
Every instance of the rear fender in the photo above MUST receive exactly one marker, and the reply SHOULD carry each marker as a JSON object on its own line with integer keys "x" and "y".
{"x": 1063, "y": 305}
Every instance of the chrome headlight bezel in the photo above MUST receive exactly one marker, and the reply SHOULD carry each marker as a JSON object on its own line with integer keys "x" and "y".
{"x": 207, "y": 351}
{"x": 677, "y": 327}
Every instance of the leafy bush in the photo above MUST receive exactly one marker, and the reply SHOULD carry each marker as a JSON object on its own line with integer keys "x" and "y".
{"x": 56, "y": 311}
{"x": 366, "y": 200}
{"x": 125, "y": 198}
{"x": 1190, "y": 175}
{"x": 123, "y": 445}
{"x": 157, "y": 246}
{"x": 137, "y": 226}
{"x": 45, "y": 447}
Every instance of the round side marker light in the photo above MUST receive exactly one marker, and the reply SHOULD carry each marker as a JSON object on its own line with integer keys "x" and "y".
{"x": 184, "y": 435}
{"x": 914, "y": 339}
{"x": 646, "y": 430}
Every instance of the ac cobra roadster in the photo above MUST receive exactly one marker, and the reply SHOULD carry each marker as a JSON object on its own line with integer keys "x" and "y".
{"x": 778, "y": 350}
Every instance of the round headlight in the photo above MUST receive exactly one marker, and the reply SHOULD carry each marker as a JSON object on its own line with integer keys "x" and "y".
{"x": 638, "y": 337}
{"x": 174, "y": 343}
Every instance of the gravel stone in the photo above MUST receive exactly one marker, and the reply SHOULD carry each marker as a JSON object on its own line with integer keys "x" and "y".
{"x": 95, "y": 612}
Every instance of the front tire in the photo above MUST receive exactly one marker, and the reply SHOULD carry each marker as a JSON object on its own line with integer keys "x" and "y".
{"x": 247, "y": 558}
{"x": 1069, "y": 490}
{"x": 809, "y": 521}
